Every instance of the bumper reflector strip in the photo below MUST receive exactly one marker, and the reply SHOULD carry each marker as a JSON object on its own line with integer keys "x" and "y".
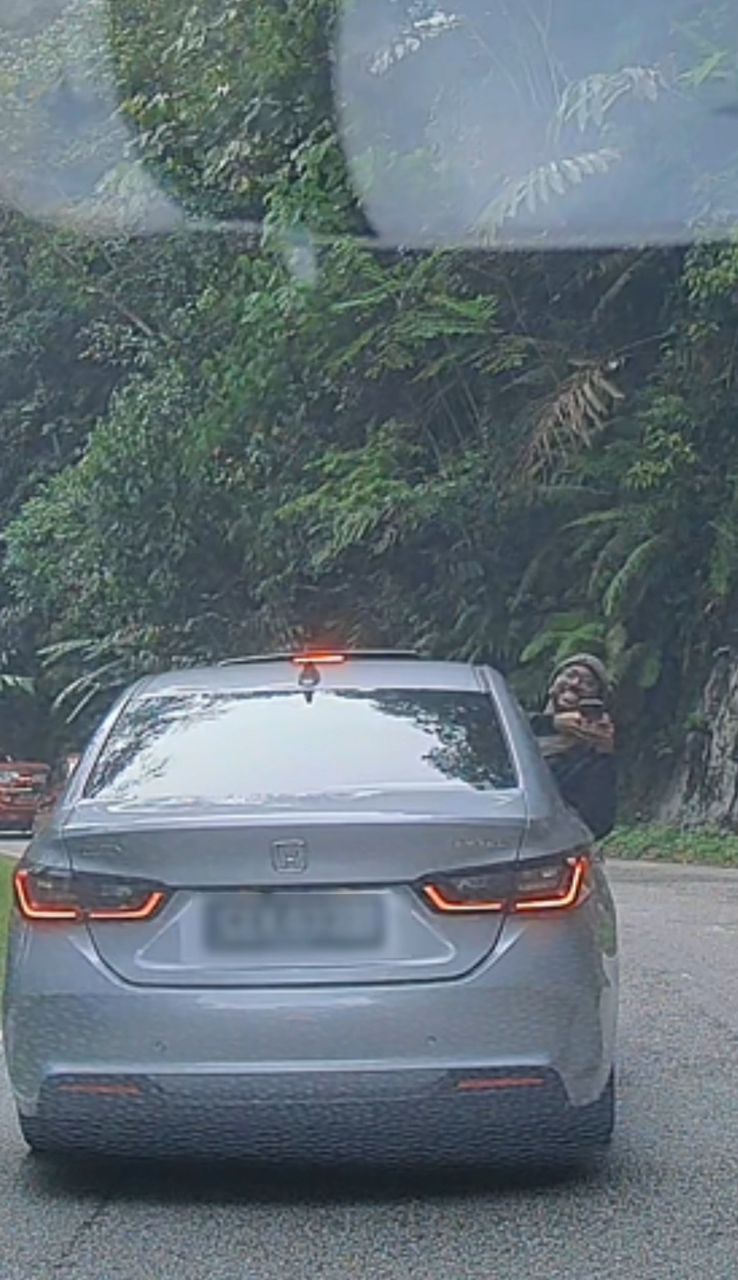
{"x": 477, "y": 1085}
{"x": 102, "y": 1090}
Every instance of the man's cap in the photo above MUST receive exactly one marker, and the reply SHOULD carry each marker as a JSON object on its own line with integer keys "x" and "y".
{"x": 595, "y": 665}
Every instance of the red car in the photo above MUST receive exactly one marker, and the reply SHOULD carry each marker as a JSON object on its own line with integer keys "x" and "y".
{"x": 22, "y": 783}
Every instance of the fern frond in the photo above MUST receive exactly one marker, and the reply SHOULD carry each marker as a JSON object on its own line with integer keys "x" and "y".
{"x": 545, "y": 642}
{"x": 16, "y": 684}
{"x": 558, "y": 642}
{"x": 607, "y": 558}
{"x": 631, "y": 580}
{"x": 533, "y": 574}
{"x": 539, "y": 186}
{"x": 558, "y": 495}
{"x": 412, "y": 39}
{"x": 571, "y": 418}
{"x": 585, "y": 638}
{"x": 613, "y": 516}
{"x": 586, "y": 103}
{"x": 616, "y": 642}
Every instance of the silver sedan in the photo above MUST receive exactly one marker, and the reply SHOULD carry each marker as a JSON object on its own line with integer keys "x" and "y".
{"x": 325, "y": 905}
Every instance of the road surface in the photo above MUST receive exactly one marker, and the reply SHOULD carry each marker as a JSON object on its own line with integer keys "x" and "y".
{"x": 664, "y": 1205}
{"x": 12, "y": 846}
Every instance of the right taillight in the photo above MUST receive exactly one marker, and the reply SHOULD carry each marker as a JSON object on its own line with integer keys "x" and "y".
{"x": 52, "y": 895}
{"x": 555, "y": 884}
{"x": 554, "y": 887}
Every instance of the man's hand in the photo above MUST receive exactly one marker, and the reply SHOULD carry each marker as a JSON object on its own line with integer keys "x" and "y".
{"x": 598, "y": 734}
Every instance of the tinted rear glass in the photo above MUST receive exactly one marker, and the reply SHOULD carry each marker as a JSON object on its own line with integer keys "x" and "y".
{"x": 257, "y": 746}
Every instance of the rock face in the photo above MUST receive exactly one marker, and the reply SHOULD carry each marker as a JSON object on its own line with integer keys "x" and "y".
{"x": 704, "y": 789}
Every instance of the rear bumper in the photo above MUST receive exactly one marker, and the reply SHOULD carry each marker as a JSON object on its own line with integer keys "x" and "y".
{"x": 428, "y": 1115}
{"x": 545, "y": 1002}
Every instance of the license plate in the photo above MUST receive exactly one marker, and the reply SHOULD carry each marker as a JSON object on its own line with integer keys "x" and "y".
{"x": 285, "y": 921}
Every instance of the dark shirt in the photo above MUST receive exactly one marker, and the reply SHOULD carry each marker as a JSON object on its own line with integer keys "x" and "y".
{"x": 587, "y": 780}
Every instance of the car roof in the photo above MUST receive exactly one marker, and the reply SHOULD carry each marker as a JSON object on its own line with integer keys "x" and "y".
{"x": 355, "y": 672}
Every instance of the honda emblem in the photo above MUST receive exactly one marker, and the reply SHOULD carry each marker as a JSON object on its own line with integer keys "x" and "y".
{"x": 289, "y": 856}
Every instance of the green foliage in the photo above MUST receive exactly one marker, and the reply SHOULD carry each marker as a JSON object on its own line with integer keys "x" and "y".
{"x": 572, "y": 417}
{"x": 216, "y": 443}
{"x": 15, "y": 684}
{"x": 565, "y": 634}
{"x": 632, "y": 578}
{"x": 230, "y": 105}
{"x": 653, "y": 843}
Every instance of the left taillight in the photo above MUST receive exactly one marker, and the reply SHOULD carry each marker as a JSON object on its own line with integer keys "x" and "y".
{"x": 551, "y": 885}
{"x": 52, "y": 895}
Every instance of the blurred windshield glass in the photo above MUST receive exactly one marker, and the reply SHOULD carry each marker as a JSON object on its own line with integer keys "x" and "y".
{"x": 550, "y": 122}
{"x": 258, "y": 746}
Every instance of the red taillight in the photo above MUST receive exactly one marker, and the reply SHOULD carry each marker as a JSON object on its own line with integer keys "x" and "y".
{"x": 554, "y": 885}
{"x": 571, "y": 890}
{"x": 443, "y": 899}
{"x": 34, "y": 907}
{"x": 60, "y": 896}
{"x": 145, "y": 909}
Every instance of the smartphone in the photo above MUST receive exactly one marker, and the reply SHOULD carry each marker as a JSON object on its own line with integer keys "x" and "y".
{"x": 592, "y": 708}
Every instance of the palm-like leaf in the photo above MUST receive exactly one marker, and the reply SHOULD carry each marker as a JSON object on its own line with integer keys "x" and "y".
{"x": 559, "y": 643}
{"x": 632, "y": 579}
{"x": 108, "y": 663}
{"x": 586, "y": 103}
{"x": 538, "y": 187}
{"x": 16, "y": 684}
{"x": 411, "y": 39}
{"x": 571, "y": 418}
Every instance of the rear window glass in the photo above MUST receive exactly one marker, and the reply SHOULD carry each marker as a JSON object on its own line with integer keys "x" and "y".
{"x": 263, "y": 745}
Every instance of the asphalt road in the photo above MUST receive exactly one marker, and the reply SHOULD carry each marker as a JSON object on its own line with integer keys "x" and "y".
{"x": 664, "y": 1204}
{"x": 12, "y": 846}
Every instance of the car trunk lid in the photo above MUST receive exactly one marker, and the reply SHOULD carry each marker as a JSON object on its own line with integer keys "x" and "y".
{"x": 291, "y": 895}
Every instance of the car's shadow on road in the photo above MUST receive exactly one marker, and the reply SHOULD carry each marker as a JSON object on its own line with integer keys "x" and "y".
{"x": 230, "y": 1182}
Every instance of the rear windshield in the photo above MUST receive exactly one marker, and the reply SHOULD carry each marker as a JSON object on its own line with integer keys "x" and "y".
{"x": 259, "y": 746}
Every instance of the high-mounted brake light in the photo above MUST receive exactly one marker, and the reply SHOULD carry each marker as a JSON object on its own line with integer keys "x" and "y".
{"x": 318, "y": 659}
{"x": 55, "y": 896}
{"x": 555, "y": 885}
